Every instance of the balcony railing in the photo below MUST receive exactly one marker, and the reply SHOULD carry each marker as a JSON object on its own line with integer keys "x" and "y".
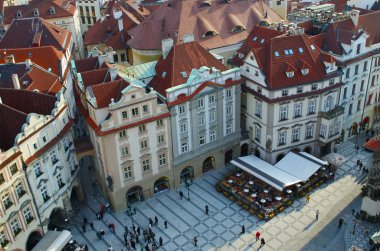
{"x": 336, "y": 112}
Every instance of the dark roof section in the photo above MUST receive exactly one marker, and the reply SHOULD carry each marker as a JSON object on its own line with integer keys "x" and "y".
{"x": 95, "y": 77}
{"x": 88, "y": 64}
{"x": 11, "y": 123}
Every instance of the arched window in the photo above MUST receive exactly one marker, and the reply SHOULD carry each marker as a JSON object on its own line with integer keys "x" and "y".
{"x": 209, "y": 34}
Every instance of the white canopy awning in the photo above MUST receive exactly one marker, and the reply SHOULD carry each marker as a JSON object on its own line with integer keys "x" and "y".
{"x": 302, "y": 165}
{"x": 264, "y": 171}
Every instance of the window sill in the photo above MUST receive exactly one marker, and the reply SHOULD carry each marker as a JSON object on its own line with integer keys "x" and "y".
{"x": 258, "y": 115}
{"x": 281, "y": 144}
{"x": 283, "y": 120}
{"x": 39, "y": 175}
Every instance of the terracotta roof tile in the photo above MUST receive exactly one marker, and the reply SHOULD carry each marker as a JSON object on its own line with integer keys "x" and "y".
{"x": 182, "y": 58}
{"x": 21, "y": 34}
{"x": 176, "y": 18}
{"x": 88, "y": 64}
{"x": 104, "y": 92}
{"x": 96, "y": 77}
{"x": 46, "y": 56}
{"x": 11, "y": 123}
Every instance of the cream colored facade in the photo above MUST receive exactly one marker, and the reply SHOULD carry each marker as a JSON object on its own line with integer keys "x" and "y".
{"x": 18, "y": 216}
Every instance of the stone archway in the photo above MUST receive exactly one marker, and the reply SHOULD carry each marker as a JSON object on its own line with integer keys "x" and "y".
{"x": 161, "y": 185}
{"x": 307, "y": 149}
{"x": 208, "y": 164}
{"x": 58, "y": 220}
{"x": 228, "y": 156}
{"x": 186, "y": 174}
{"x": 244, "y": 150}
{"x": 134, "y": 194}
{"x": 33, "y": 239}
{"x": 257, "y": 153}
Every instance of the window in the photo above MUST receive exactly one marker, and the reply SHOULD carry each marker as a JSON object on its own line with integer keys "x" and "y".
{"x": 145, "y": 109}
{"x": 291, "y": 51}
{"x": 128, "y": 172}
{"x": 37, "y": 170}
{"x": 256, "y": 73}
{"x": 284, "y": 92}
{"x": 259, "y": 89}
{"x": 373, "y": 81}
{"x": 229, "y": 110}
{"x": 300, "y": 49}
{"x": 365, "y": 66}
{"x": 53, "y": 157}
{"x": 58, "y": 177}
{"x": 146, "y": 165}
{"x": 290, "y": 74}
{"x": 183, "y": 128}
{"x": 184, "y": 147}
{"x": 350, "y": 109}
{"x": 356, "y": 69}
{"x": 15, "y": 225}
{"x": 254, "y": 39}
{"x": 212, "y": 136}
{"x": 3, "y": 238}
{"x": 122, "y": 134}
{"x": 159, "y": 122}
{"x": 200, "y": 103}
{"x": 309, "y": 132}
{"x": 211, "y": 99}
{"x": 281, "y": 138}
{"x": 311, "y": 107}
{"x": 358, "y": 49}
{"x": 297, "y": 110}
{"x": 135, "y": 111}
{"x": 13, "y": 169}
{"x": 359, "y": 105}
{"x": 283, "y": 113}
{"x": 259, "y": 107}
{"x": 124, "y": 151}
{"x": 124, "y": 114}
{"x": 123, "y": 58}
{"x": 228, "y": 93}
{"x": 19, "y": 189}
{"x": 299, "y": 89}
{"x": 314, "y": 87}
{"x": 201, "y": 120}
{"x": 115, "y": 56}
{"x": 6, "y": 201}
{"x": 332, "y": 81}
{"x": 312, "y": 47}
{"x": 162, "y": 159}
{"x": 92, "y": 11}
{"x": 182, "y": 109}
{"x": 258, "y": 134}
{"x": 44, "y": 138}
{"x": 296, "y": 135}
{"x": 362, "y": 86}
{"x": 329, "y": 103}
{"x": 212, "y": 116}
{"x": 247, "y": 69}
{"x": 276, "y": 53}
{"x": 347, "y": 72}
{"x": 161, "y": 138}
{"x": 286, "y": 52}
{"x": 202, "y": 139}
{"x": 262, "y": 41}
{"x": 322, "y": 133}
{"x": 27, "y": 215}
{"x": 144, "y": 144}
{"x": 229, "y": 129}
{"x": 2, "y": 180}
{"x": 345, "y": 93}
{"x": 353, "y": 89}
{"x": 142, "y": 128}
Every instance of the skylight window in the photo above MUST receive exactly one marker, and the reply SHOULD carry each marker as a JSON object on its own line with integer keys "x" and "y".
{"x": 262, "y": 41}
{"x": 291, "y": 51}
{"x": 286, "y": 51}
{"x": 184, "y": 74}
{"x": 276, "y": 53}
{"x": 164, "y": 74}
{"x": 312, "y": 47}
{"x": 300, "y": 50}
{"x": 254, "y": 39}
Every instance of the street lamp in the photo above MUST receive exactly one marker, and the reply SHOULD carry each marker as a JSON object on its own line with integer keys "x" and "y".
{"x": 188, "y": 183}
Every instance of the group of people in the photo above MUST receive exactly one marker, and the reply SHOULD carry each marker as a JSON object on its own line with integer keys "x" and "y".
{"x": 362, "y": 168}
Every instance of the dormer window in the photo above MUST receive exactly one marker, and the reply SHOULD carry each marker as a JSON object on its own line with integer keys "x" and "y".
{"x": 305, "y": 71}
{"x": 262, "y": 41}
{"x": 300, "y": 49}
{"x": 238, "y": 28}
{"x": 291, "y": 51}
{"x": 183, "y": 74}
{"x": 312, "y": 47}
{"x": 290, "y": 74}
{"x": 209, "y": 34}
{"x": 163, "y": 74}
{"x": 52, "y": 10}
{"x": 19, "y": 14}
{"x": 285, "y": 92}
{"x": 286, "y": 52}
{"x": 241, "y": 55}
{"x": 254, "y": 39}
{"x": 276, "y": 53}
{"x": 36, "y": 13}
{"x": 205, "y": 4}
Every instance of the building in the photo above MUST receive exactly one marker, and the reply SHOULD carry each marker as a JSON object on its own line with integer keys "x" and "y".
{"x": 58, "y": 12}
{"x": 90, "y": 12}
{"x": 203, "y": 97}
{"x": 129, "y": 127}
{"x": 219, "y": 26}
{"x": 291, "y": 94}
{"x": 362, "y": 4}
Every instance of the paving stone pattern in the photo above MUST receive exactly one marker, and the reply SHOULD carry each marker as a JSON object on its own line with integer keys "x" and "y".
{"x": 220, "y": 230}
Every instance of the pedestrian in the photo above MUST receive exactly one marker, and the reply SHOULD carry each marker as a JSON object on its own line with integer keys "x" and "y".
{"x": 92, "y": 225}
{"x": 155, "y": 220}
{"x": 181, "y": 194}
{"x": 206, "y": 209}
{"x": 102, "y": 208}
{"x": 126, "y": 238}
{"x": 307, "y": 198}
{"x": 126, "y": 229}
{"x": 101, "y": 215}
{"x": 137, "y": 239}
{"x": 366, "y": 231}
{"x": 358, "y": 163}
{"x": 160, "y": 241}
{"x": 353, "y": 211}
{"x": 113, "y": 227}
{"x": 138, "y": 231}
{"x": 195, "y": 240}
{"x": 153, "y": 247}
{"x": 108, "y": 207}
{"x": 316, "y": 215}
{"x": 243, "y": 229}
{"x": 110, "y": 248}
{"x": 133, "y": 244}
{"x": 102, "y": 232}
{"x": 166, "y": 224}
{"x": 363, "y": 171}
{"x": 262, "y": 242}
{"x": 257, "y": 235}
{"x": 150, "y": 222}
{"x": 99, "y": 235}
{"x": 341, "y": 221}
{"x": 84, "y": 227}
{"x": 147, "y": 247}
{"x": 357, "y": 148}
{"x": 85, "y": 220}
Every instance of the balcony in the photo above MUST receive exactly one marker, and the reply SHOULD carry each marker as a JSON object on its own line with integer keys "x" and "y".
{"x": 334, "y": 113}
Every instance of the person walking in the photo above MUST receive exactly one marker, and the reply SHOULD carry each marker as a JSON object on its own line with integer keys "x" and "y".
{"x": 341, "y": 221}
{"x": 126, "y": 238}
{"x": 155, "y": 220}
{"x": 195, "y": 240}
{"x": 166, "y": 224}
{"x": 358, "y": 163}
{"x": 150, "y": 222}
{"x": 307, "y": 198}
{"x": 160, "y": 241}
{"x": 180, "y": 194}
{"x": 206, "y": 209}
{"x": 147, "y": 247}
{"x": 110, "y": 248}
{"x": 243, "y": 229}
{"x": 316, "y": 215}
{"x": 84, "y": 227}
{"x": 85, "y": 220}
{"x": 262, "y": 242}
{"x": 257, "y": 235}
{"x": 92, "y": 225}
{"x": 108, "y": 207}
{"x": 138, "y": 231}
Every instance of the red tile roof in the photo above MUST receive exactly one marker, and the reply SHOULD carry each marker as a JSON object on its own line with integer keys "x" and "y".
{"x": 104, "y": 92}
{"x": 35, "y": 32}
{"x": 34, "y": 78}
{"x": 11, "y": 123}
{"x": 95, "y": 77}
{"x": 88, "y": 64}
{"x": 62, "y": 8}
{"x": 45, "y": 56}
{"x": 373, "y": 144}
{"x": 176, "y": 18}
{"x": 182, "y": 58}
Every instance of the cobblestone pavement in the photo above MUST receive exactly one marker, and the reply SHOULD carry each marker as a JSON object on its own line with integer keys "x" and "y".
{"x": 220, "y": 230}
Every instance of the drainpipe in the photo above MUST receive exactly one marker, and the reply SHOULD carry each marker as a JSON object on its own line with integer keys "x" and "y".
{"x": 34, "y": 198}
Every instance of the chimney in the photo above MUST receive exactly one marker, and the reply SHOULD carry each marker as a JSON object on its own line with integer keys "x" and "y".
{"x": 116, "y": 13}
{"x": 120, "y": 24}
{"x": 10, "y": 59}
{"x": 16, "y": 81}
{"x": 28, "y": 63}
{"x": 167, "y": 45}
{"x": 354, "y": 15}
{"x": 188, "y": 38}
